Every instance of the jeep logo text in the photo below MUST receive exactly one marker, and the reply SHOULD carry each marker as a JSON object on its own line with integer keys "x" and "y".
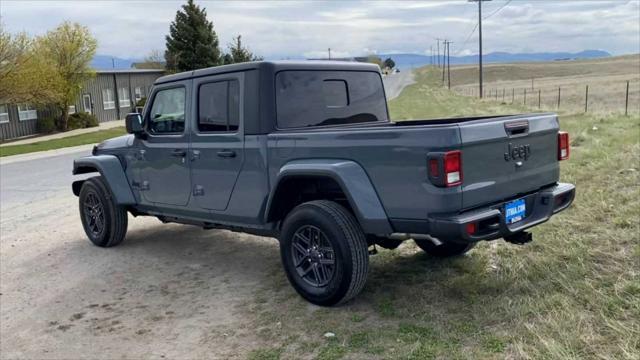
{"x": 517, "y": 152}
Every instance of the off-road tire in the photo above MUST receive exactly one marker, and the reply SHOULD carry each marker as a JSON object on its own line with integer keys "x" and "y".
{"x": 348, "y": 243}
{"x": 115, "y": 217}
{"x": 443, "y": 250}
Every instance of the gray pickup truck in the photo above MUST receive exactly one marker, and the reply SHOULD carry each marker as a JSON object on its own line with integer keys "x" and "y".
{"x": 305, "y": 152}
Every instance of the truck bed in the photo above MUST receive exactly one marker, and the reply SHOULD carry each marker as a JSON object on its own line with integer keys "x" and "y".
{"x": 394, "y": 155}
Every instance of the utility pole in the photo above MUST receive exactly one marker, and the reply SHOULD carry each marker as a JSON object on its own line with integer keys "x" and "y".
{"x": 438, "y": 53}
{"x": 444, "y": 60}
{"x": 480, "y": 41}
{"x": 329, "y": 53}
{"x": 448, "y": 65}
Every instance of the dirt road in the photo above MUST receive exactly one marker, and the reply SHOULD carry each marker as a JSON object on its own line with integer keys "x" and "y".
{"x": 396, "y": 82}
{"x": 168, "y": 291}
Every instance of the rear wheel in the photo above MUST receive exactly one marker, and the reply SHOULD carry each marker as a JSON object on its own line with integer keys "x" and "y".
{"x": 443, "y": 250}
{"x": 104, "y": 221}
{"x": 324, "y": 252}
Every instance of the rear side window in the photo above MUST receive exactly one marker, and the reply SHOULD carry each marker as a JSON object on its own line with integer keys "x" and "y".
{"x": 317, "y": 98}
{"x": 219, "y": 106}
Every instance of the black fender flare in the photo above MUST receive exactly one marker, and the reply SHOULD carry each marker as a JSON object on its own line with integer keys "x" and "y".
{"x": 354, "y": 182}
{"x": 110, "y": 168}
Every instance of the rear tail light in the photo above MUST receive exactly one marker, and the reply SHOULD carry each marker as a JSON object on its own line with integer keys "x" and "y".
{"x": 471, "y": 228}
{"x": 452, "y": 168}
{"x": 563, "y": 145}
{"x": 445, "y": 169}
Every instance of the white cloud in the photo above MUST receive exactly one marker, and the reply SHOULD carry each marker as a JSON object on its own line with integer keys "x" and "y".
{"x": 301, "y": 28}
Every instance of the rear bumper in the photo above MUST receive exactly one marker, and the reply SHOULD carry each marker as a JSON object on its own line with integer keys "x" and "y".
{"x": 490, "y": 221}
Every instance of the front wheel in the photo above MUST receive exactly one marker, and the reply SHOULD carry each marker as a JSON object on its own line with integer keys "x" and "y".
{"x": 104, "y": 221}
{"x": 324, "y": 252}
{"x": 443, "y": 250}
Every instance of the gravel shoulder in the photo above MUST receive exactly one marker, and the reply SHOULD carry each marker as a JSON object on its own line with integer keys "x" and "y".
{"x": 168, "y": 291}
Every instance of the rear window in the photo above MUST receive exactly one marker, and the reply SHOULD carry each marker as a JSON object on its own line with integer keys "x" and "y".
{"x": 316, "y": 98}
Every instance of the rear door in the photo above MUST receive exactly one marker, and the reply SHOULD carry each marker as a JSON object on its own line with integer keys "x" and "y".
{"x": 503, "y": 158}
{"x": 217, "y": 140}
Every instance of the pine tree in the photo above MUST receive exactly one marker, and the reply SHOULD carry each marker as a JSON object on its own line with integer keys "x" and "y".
{"x": 238, "y": 53}
{"x": 192, "y": 43}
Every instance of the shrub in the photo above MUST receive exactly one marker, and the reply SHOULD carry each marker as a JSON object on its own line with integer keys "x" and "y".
{"x": 81, "y": 120}
{"x": 46, "y": 125}
{"x": 141, "y": 102}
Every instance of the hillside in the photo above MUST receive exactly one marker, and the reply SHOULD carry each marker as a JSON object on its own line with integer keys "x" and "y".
{"x": 606, "y": 80}
{"x": 619, "y": 65}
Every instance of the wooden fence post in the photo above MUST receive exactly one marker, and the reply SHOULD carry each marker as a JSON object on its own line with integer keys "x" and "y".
{"x": 496, "y": 94}
{"x": 525, "y": 97}
{"x": 539, "y": 97}
{"x": 502, "y": 94}
{"x": 586, "y": 98}
{"x": 513, "y": 94}
{"x": 558, "y": 97}
{"x": 626, "y": 101}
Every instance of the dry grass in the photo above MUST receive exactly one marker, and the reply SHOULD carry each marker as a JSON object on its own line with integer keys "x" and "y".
{"x": 572, "y": 293}
{"x": 606, "y": 78}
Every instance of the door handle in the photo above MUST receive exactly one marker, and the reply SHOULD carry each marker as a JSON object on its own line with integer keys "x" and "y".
{"x": 179, "y": 153}
{"x": 226, "y": 153}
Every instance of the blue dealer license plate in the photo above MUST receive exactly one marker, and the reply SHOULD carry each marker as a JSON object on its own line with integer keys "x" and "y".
{"x": 515, "y": 211}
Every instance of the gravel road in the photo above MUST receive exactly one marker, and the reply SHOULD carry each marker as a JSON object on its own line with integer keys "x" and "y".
{"x": 396, "y": 82}
{"x": 168, "y": 291}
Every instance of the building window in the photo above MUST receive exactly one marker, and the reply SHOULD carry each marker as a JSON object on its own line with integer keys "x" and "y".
{"x": 4, "y": 113}
{"x": 123, "y": 97}
{"x": 107, "y": 99}
{"x": 27, "y": 112}
{"x": 72, "y": 109}
{"x": 138, "y": 93}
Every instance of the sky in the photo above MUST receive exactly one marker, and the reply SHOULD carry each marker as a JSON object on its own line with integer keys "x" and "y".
{"x": 299, "y": 29}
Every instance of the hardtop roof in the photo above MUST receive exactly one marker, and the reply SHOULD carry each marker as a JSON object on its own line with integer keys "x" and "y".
{"x": 272, "y": 66}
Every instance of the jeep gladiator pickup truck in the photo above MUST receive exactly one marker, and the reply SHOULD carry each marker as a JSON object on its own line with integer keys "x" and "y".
{"x": 305, "y": 152}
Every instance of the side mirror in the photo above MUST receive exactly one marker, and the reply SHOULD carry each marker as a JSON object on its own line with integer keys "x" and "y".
{"x": 133, "y": 121}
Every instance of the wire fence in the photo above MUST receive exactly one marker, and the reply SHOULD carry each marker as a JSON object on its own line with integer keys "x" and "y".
{"x": 600, "y": 97}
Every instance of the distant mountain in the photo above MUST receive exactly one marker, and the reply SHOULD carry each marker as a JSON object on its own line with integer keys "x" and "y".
{"x": 106, "y": 62}
{"x": 409, "y": 60}
{"x": 404, "y": 61}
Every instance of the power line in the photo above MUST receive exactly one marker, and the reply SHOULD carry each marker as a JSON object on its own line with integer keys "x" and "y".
{"x": 497, "y": 11}
{"x": 476, "y": 26}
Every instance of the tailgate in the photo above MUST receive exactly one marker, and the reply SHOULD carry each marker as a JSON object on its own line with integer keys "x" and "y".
{"x": 505, "y": 157}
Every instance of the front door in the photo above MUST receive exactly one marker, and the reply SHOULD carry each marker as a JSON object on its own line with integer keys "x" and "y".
{"x": 163, "y": 154}
{"x": 217, "y": 141}
{"x": 86, "y": 103}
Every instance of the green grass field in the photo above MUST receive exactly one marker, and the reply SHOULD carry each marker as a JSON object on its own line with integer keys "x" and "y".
{"x": 573, "y": 293}
{"x": 89, "y": 138}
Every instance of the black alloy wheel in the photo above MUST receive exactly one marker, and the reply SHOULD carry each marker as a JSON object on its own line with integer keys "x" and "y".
{"x": 313, "y": 255}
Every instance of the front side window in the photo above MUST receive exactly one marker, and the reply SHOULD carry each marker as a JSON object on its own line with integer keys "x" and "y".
{"x": 219, "y": 106}
{"x": 317, "y": 98}
{"x": 167, "y": 113}
{"x": 27, "y": 112}
{"x": 123, "y": 97}
{"x": 107, "y": 99}
{"x": 4, "y": 113}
